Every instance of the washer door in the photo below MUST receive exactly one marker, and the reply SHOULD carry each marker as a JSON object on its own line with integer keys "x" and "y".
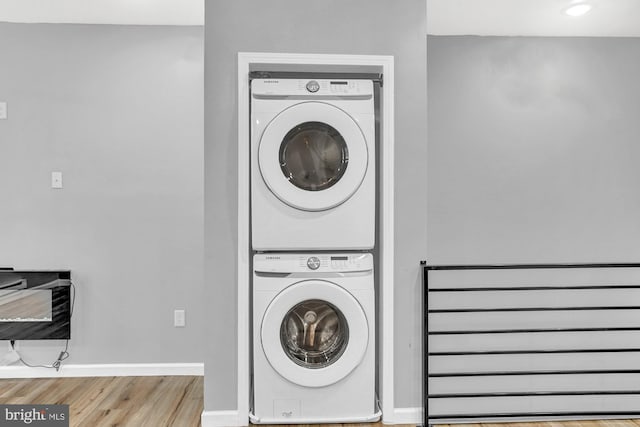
{"x": 314, "y": 333}
{"x": 313, "y": 156}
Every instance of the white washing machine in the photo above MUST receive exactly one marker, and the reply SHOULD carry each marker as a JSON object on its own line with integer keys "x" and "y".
{"x": 313, "y": 339}
{"x": 313, "y": 164}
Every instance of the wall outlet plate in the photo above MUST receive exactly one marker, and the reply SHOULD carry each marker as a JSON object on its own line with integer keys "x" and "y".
{"x": 3, "y": 110}
{"x": 179, "y": 318}
{"x": 56, "y": 179}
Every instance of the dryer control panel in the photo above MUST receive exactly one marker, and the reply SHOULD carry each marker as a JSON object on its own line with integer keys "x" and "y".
{"x": 312, "y": 88}
{"x": 316, "y": 263}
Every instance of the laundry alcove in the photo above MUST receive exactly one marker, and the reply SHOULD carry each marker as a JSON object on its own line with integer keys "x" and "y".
{"x": 278, "y": 62}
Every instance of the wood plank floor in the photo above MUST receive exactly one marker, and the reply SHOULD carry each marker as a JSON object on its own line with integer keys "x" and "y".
{"x": 120, "y": 401}
{"x": 164, "y": 401}
{"x": 114, "y": 401}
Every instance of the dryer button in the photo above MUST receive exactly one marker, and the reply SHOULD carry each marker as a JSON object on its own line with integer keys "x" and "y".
{"x": 313, "y": 263}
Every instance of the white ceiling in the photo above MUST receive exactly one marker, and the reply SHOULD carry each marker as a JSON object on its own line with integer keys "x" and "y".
{"x": 532, "y": 18}
{"x": 444, "y": 17}
{"x": 135, "y": 12}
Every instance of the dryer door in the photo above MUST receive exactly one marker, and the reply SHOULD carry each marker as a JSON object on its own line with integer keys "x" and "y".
{"x": 314, "y": 333}
{"x": 313, "y": 156}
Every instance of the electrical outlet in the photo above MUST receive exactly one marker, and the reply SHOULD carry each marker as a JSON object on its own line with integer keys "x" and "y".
{"x": 56, "y": 179}
{"x": 3, "y": 110}
{"x": 179, "y": 318}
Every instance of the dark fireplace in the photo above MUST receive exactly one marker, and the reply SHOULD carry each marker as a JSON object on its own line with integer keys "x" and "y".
{"x": 35, "y": 305}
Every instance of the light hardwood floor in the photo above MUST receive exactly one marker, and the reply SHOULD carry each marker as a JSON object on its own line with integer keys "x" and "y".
{"x": 164, "y": 402}
{"x": 120, "y": 401}
{"x": 114, "y": 401}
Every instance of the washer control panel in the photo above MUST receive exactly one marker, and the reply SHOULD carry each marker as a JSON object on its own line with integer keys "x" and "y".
{"x": 341, "y": 262}
{"x": 312, "y": 263}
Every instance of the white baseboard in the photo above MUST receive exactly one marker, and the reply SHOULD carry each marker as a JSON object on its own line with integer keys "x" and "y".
{"x": 404, "y": 416}
{"x": 105, "y": 370}
{"x": 223, "y": 419}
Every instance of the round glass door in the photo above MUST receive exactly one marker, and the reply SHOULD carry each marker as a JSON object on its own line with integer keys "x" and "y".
{"x": 314, "y": 334}
{"x": 313, "y": 156}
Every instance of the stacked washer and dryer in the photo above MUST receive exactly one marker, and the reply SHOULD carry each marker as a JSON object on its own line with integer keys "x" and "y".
{"x": 313, "y": 225}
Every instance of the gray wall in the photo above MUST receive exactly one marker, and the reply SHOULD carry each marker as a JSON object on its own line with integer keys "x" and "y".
{"x": 533, "y": 150}
{"x": 117, "y": 109}
{"x": 377, "y": 27}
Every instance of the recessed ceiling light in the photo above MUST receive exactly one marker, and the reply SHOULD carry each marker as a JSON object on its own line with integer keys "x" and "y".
{"x": 578, "y": 9}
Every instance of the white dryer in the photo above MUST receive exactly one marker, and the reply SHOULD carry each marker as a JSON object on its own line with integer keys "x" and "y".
{"x": 313, "y": 164}
{"x": 313, "y": 339}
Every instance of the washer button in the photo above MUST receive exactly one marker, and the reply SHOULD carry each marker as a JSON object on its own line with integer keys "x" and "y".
{"x": 313, "y": 86}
